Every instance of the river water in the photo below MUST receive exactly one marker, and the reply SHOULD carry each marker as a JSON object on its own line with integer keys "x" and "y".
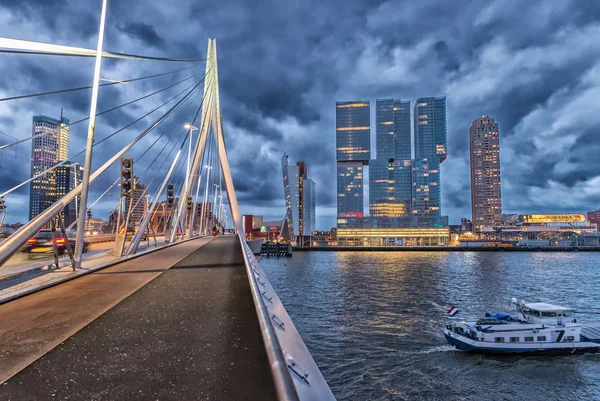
{"x": 373, "y": 321}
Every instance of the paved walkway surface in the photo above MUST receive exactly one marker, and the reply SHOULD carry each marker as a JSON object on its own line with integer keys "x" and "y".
{"x": 189, "y": 334}
{"x": 33, "y": 325}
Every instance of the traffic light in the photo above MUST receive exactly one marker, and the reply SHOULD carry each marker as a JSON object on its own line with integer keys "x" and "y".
{"x": 2, "y": 205}
{"x": 189, "y": 203}
{"x": 89, "y": 214}
{"x": 126, "y": 176}
{"x": 170, "y": 194}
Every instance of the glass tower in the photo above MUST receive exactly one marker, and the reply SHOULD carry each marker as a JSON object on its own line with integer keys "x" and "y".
{"x": 46, "y": 151}
{"x": 353, "y": 150}
{"x": 390, "y": 175}
{"x": 430, "y": 136}
{"x": 68, "y": 176}
{"x": 299, "y": 192}
{"x": 486, "y": 194}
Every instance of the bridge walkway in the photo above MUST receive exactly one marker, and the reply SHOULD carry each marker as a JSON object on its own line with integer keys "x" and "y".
{"x": 190, "y": 333}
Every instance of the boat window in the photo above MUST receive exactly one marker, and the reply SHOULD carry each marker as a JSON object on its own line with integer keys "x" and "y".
{"x": 541, "y": 338}
{"x": 548, "y": 314}
{"x": 514, "y": 339}
{"x": 499, "y": 339}
{"x": 570, "y": 338}
{"x": 528, "y": 338}
{"x": 568, "y": 313}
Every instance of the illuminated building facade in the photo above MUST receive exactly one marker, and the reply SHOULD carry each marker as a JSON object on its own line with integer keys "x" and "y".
{"x": 46, "y": 151}
{"x": 430, "y": 138}
{"x": 390, "y": 187}
{"x": 299, "y": 192}
{"x": 486, "y": 194}
{"x": 353, "y": 150}
{"x": 390, "y": 173}
{"x": 68, "y": 176}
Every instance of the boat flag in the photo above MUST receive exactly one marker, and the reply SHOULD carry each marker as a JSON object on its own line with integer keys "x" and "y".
{"x": 452, "y": 311}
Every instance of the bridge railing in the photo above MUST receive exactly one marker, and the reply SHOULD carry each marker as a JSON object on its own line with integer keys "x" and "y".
{"x": 295, "y": 373}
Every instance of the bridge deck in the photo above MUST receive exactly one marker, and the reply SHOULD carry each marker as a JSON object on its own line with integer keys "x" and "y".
{"x": 191, "y": 333}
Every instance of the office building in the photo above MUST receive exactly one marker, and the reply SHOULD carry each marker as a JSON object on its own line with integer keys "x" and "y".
{"x": 390, "y": 187}
{"x": 68, "y": 176}
{"x": 353, "y": 150}
{"x": 486, "y": 194}
{"x": 430, "y": 138}
{"x": 49, "y": 146}
{"x": 392, "y": 129}
{"x": 390, "y": 174}
{"x": 138, "y": 201}
{"x": 299, "y": 192}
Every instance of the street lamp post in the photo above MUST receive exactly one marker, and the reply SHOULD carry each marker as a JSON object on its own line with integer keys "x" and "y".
{"x": 202, "y": 217}
{"x": 214, "y": 216}
{"x": 187, "y": 175}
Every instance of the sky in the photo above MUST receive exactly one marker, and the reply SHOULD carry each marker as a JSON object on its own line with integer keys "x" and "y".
{"x": 534, "y": 66}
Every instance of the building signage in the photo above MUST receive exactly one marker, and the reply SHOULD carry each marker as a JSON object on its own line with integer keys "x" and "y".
{"x": 263, "y": 229}
{"x": 351, "y": 214}
{"x": 551, "y": 218}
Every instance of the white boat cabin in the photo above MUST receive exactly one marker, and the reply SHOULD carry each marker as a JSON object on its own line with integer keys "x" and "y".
{"x": 544, "y": 313}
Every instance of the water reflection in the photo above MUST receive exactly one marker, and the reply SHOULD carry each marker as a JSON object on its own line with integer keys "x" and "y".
{"x": 373, "y": 321}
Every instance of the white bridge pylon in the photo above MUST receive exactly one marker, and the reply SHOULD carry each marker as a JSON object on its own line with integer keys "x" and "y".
{"x": 211, "y": 119}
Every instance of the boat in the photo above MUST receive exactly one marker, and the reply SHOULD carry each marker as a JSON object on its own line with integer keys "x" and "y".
{"x": 536, "y": 329}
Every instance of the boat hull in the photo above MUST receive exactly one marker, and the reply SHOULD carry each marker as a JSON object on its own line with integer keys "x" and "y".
{"x": 477, "y": 347}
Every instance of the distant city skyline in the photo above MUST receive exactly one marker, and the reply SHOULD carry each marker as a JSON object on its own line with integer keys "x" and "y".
{"x": 539, "y": 84}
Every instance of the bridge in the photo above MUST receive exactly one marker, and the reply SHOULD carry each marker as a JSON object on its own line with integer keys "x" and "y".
{"x": 182, "y": 315}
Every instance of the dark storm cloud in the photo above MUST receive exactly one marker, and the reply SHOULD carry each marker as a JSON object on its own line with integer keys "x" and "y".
{"x": 143, "y": 32}
{"x": 533, "y": 66}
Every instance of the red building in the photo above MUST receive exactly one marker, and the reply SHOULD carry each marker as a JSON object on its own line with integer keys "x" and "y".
{"x": 594, "y": 217}
{"x": 255, "y": 227}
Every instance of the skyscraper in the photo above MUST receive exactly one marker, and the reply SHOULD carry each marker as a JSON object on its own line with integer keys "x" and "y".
{"x": 430, "y": 151}
{"x": 46, "y": 151}
{"x": 353, "y": 149}
{"x": 299, "y": 191}
{"x": 392, "y": 129}
{"x": 486, "y": 194}
{"x": 390, "y": 175}
{"x": 68, "y": 176}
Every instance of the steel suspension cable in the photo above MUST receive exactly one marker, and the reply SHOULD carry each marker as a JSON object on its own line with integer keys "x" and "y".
{"x": 122, "y": 82}
{"x": 99, "y": 114}
{"x": 97, "y": 143}
{"x": 140, "y": 158}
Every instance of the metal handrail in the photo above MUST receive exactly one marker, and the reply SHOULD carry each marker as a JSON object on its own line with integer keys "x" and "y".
{"x": 281, "y": 376}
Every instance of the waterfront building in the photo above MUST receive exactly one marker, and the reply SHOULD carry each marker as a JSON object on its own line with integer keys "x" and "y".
{"x": 486, "y": 194}
{"x": 68, "y": 176}
{"x": 430, "y": 139}
{"x": 256, "y": 227}
{"x": 49, "y": 146}
{"x": 466, "y": 226}
{"x": 541, "y": 230}
{"x": 299, "y": 192}
{"x": 353, "y": 150}
{"x": 390, "y": 173}
{"x": 390, "y": 187}
{"x": 376, "y": 236}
